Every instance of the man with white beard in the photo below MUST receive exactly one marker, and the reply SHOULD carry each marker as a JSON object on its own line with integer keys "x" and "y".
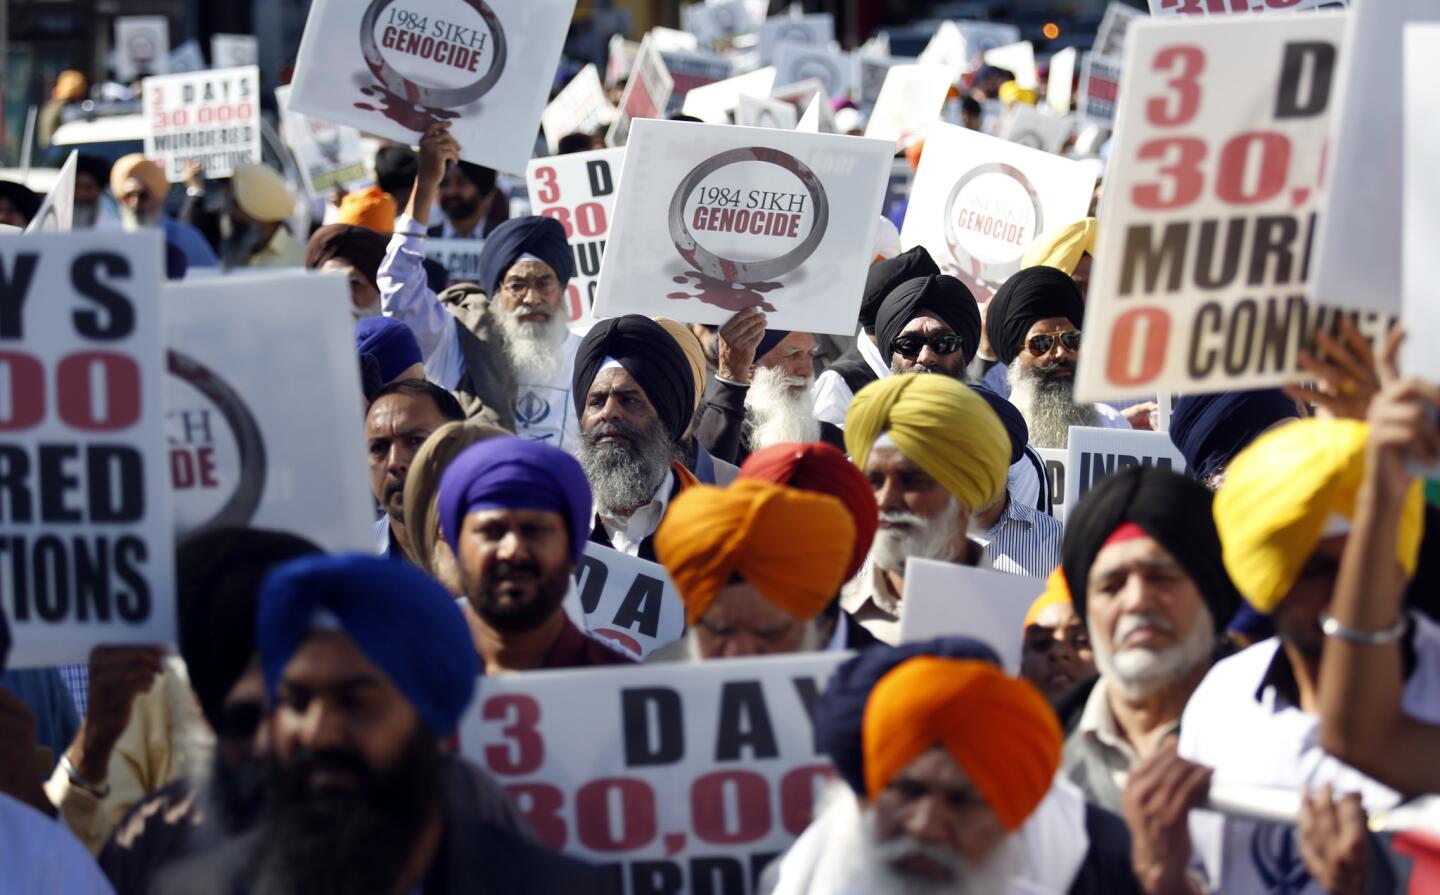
{"x": 1143, "y": 560}
{"x": 935, "y": 453}
{"x": 506, "y": 347}
{"x": 140, "y": 189}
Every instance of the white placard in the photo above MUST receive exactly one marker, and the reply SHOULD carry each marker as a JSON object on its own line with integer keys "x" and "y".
{"x": 210, "y": 117}
{"x": 88, "y": 537}
{"x": 578, "y": 190}
{"x": 1209, "y": 208}
{"x": 580, "y": 108}
{"x": 620, "y": 59}
{"x": 485, "y": 67}
{"x": 1422, "y": 197}
{"x": 910, "y": 101}
{"x": 732, "y": 218}
{"x": 459, "y": 257}
{"x": 1031, "y": 127}
{"x": 628, "y": 601}
{"x": 245, "y": 453}
{"x": 800, "y": 62}
{"x": 1358, "y": 247}
{"x": 327, "y": 154}
{"x": 715, "y": 22}
{"x": 646, "y": 95}
{"x": 234, "y": 50}
{"x": 1019, "y": 59}
{"x": 754, "y": 112}
{"x": 1095, "y": 453}
{"x": 1168, "y": 8}
{"x": 142, "y": 47}
{"x": 57, "y": 212}
{"x": 187, "y": 57}
{"x": 947, "y": 600}
{"x": 669, "y": 39}
{"x": 1099, "y": 89}
{"x": 713, "y": 103}
{"x": 818, "y": 119}
{"x": 816, "y": 30}
{"x": 691, "y": 69}
{"x": 1110, "y": 38}
{"x": 947, "y": 47}
{"x": 869, "y": 77}
{"x": 982, "y": 37}
{"x": 1060, "y": 84}
{"x": 1056, "y": 474}
{"x": 978, "y": 202}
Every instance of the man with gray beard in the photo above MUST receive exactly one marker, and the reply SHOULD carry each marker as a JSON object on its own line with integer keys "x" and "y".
{"x": 1142, "y": 558}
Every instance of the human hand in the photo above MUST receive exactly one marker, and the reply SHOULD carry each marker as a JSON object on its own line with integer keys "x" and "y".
{"x": 1347, "y": 374}
{"x": 1158, "y": 799}
{"x": 194, "y": 176}
{"x": 736, "y": 344}
{"x": 117, "y": 675}
{"x": 1333, "y": 841}
{"x": 1138, "y": 416}
{"x": 438, "y": 148}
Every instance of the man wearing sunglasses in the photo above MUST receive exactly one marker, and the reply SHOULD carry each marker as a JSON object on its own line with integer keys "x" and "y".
{"x": 929, "y": 324}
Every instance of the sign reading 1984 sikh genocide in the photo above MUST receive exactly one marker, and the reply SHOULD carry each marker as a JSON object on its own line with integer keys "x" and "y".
{"x": 210, "y": 117}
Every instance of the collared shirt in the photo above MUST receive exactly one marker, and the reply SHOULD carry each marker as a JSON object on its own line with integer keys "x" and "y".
{"x": 1098, "y": 758}
{"x": 833, "y": 396}
{"x": 482, "y": 229}
{"x": 283, "y": 250}
{"x": 1244, "y": 721}
{"x": 576, "y": 649}
{"x": 876, "y": 605}
{"x": 627, "y": 533}
{"x": 1023, "y": 541}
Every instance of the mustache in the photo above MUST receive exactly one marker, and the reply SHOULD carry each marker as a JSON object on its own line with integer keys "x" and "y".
{"x": 624, "y": 430}
{"x": 1050, "y": 370}
{"x": 901, "y": 517}
{"x": 507, "y": 569}
{"x": 394, "y": 485}
{"x": 1131, "y": 621}
{"x": 305, "y": 762}
{"x": 903, "y": 846}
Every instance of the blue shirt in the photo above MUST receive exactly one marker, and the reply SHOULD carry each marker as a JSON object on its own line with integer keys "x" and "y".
{"x": 189, "y": 241}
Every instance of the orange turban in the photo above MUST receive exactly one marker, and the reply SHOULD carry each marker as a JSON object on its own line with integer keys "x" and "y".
{"x": 70, "y": 87}
{"x": 793, "y": 546}
{"x": 372, "y": 208}
{"x": 999, "y": 730}
{"x": 1057, "y": 593}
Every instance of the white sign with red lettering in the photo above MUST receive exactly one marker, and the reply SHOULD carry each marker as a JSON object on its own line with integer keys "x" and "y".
{"x": 1110, "y": 37}
{"x": 1099, "y": 89}
{"x": 978, "y": 202}
{"x": 580, "y": 108}
{"x": 628, "y": 601}
{"x": 684, "y": 777}
{"x": 943, "y": 599}
{"x": 728, "y": 218}
{"x": 692, "y": 69}
{"x": 578, "y": 190}
{"x": 1210, "y": 208}
{"x": 210, "y": 117}
{"x": 646, "y": 93}
{"x": 485, "y": 67}
{"x": 1168, "y": 8}
{"x": 88, "y": 539}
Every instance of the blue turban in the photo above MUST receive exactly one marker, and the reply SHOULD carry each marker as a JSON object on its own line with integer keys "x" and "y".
{"x": 539, "y": 236}
{"x": 840, "y": 714}
{"x": 390, "y": 342}
{"x": 772, "y": 338}
{"x": 401, "y": 618}
{"x": 1010, "y": 418}
{"x": 1209, "y": 430}
{"x": 515, "y": 474}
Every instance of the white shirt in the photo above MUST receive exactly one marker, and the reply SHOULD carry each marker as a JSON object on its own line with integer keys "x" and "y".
{"x": 544, "y": 410}
{"x": 1239, "y": 724}
{"x": 39, "y": 855}
{"x": 627, "y": 533}
{"x": 833, "y": 396}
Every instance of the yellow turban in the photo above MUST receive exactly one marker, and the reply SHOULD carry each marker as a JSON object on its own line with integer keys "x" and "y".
{"x": 1011, "y": 92}
{"x": 141, "y": 168}
{"x": 999, "y": 730}
{"x": 1057, "y": 593}
{"x": 1281, "y": 493}
{"x": 694, "y": 353}
{"x": 793, "y": 546}
{"x": 1062, "y": 249}
{"x": 371, "y": 208}
{"x": 261, "y": 193}
{"x": 939, "y": 423}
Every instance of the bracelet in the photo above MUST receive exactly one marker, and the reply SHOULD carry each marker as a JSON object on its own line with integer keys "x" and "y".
{"x": 1333, "y": 628}
{"x": 99, "y": 792}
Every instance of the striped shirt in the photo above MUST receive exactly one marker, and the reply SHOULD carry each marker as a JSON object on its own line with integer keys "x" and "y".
{"x": 1023, "y": 542}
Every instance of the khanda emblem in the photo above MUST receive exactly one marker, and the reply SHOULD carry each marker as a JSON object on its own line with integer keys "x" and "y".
{"x": 531, "y": 409}
{"x": 1277, "y": 859}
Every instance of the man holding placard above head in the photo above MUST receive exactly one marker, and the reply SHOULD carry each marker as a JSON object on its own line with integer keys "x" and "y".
{"x": 934, "y": 453}
{"x": 524, "y": 268}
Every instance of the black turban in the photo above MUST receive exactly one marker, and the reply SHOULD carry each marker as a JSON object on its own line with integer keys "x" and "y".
{"x": 650, "y": 355}
{"x": 942, "y": 296}
{"x": 1029, "y": 296}
{"x": 768, "y": 342}
{"x": 1010, "y": 418}
{"x": 1210, "y": 430}
{"x": 25, "y": 200}
{"x": 95, "y": 166}
{"x": 884, "y": 276}
{"x": 360, "y": 247}
{"x": 395, "y": 169}
{"x": 219, "y": 574}
{"x": 481, "y": 176}
{"x": 1173, "y": 509}
{"x": 539, "y": 236}
{"x": 840, "y": 714}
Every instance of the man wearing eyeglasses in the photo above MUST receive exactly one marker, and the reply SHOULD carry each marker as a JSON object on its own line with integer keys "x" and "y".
{"x": 929, "y": 325}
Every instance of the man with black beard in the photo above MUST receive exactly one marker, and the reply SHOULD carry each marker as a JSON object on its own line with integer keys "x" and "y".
{"x": 516, "y": 516}
{"x": 369, "y": 667}
{"x": 471, "y": 205}
{"x": 929, "y": 324}
{"x": 634, "y": 393}
{"x": 1033, "y": 326}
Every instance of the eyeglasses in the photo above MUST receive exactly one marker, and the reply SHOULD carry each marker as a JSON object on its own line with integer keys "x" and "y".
{"x": 1041, "y": 345}
{"x": 909, "y": 347}
{"x": 546, "y": 285}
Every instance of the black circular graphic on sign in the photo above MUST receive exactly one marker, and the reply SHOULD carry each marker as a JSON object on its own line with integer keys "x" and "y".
{"x": 420, "y": 94}
{"x": 988, "y": 271}
{"x": 713, "y": 265}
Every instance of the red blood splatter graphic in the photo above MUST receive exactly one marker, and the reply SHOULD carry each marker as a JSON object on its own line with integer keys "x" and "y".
{"x": 403, "y": 112}
{"x": 723, "y": 294}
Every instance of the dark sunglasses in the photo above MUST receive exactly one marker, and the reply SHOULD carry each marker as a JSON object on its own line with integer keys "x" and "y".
{"x": 909, "y": 347}
{"x": 1041, "y": 345}
{"x": 239, "y": 721}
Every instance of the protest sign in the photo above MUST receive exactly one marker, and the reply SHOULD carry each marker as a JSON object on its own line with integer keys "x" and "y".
{"x": 712, "y": 23}
{"x": 869, "y": 77}
{"x": 57, "y": 212}
{"x": 210, "y": 117}
{"x": 1031, "y": 127}
{"x": 686, "y": 778}
{"x": 620, "y": 59}
{"x": 1422, "y": 197}
{"x": 666, "y": 40}
{"x": 818, "y": 119}
{"x": 1167, "y": 8}
{"x": 628, "y": 601}
{"x": 979, "y": 201}
{"x": 982, "y": 37}
{"x": 713, "y": 103}
{"x": 1018, "y": 59}
{"x": 459, "y": 257}
{"x": 485, "y": 67}
{"x": 943, "y": 599}
{"x": 1110, "y": 38}
{"x": 243, "y": 452}
{"x": 1060, "y": 84}
{"x": 1209, "y": 209}
{"x": 798, "y": 93}
{"x": 1358, "y": 260}
{"x": 87, "y": 539}
{"x": 1095, "y": 453}
{"x": 578, "y": 190}
{"x": 1055, "y": 473}
{"x": 1099, "y": 89}
{"x": 234, "y": 50}
{"x": 799, "y": 62}
{"x": 754, "y": 112}
{"x": 327, "y": 154}
{"x": 816, "y": 30}
{"x": 690, "y": 69}
{"x": 910, "y": 101}
{"x": 187, "y": 57}
{"x": 947, "y": 47}
{"x": 142, "y": 47}
{"x": 581, "y": 108}
{"x": 752, "y": 217}
{"x": 646, "y": 94}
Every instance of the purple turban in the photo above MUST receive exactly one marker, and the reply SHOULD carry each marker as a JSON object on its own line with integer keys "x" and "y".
{"x": 390, "y": 342}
